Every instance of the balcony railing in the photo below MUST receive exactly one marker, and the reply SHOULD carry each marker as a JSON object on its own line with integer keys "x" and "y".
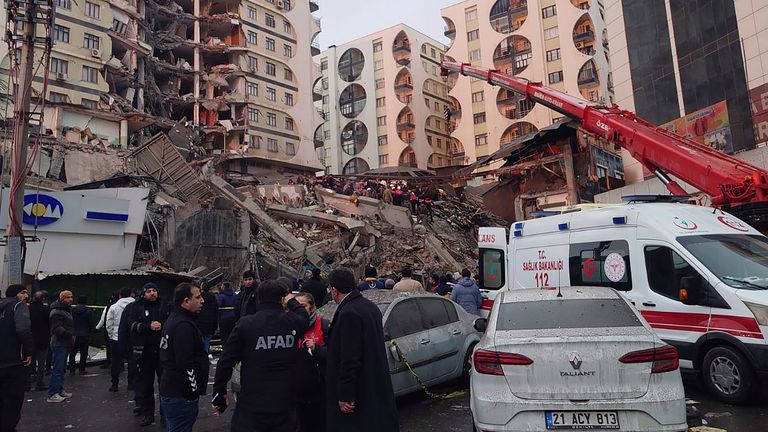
{"x": 404, "y": 85}
{"x": 587, "y": 78}
{"x": 405, "y": 125}
{"x": 587, "y": 50}
{"x": 403, "y": 61}
{"x": 449, "y": 32}
{"x": 510, "y": 52}
{"x": 588, "y": 35}
{"x": 508, "y": 99}
{"x": 402, "y": 47}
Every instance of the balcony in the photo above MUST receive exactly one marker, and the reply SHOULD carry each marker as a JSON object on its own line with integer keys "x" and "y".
{"x": 522, "y": 9}
{"x": 313, "y": 6}
{"x": 510, "y": 52}
{"x": 316, "y": 97}
{"x": 449, "y": 32}
{"x": 403, "y": 86}
{"x": 315, "y": 47}
{"x": 588, "y": 35}
{"x": 406, "y": 125}
{"x": 587, "y": 78}
{"x": 509, "y": 98}
{"x": 401, "y": 48}
{"x": 588, "y": 50}
{"x": 405, "y": 61}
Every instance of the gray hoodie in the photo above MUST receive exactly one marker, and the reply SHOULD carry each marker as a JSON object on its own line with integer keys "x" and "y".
{"x": 62, "y": 326}
{"x": 16, "y": 340}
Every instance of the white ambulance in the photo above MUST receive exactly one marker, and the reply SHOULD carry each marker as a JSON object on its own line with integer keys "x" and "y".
{"x": 698, "y": 275}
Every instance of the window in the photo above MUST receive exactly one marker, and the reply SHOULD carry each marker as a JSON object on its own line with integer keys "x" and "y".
{"x": 324, "y": 64}
{"x": 481, "y": 139}
{"x": 739, "y": 260}
{"x": 251, "y": 89}
{"x": 64, "y": 4}
{"x": 439, "y": 143}
{"x": 478, "y": 96}
{"x": 548, "y": 11}
{"x": 90, "y": 41}
{"x": 553, "y": 54}
{"x": 271, "y": 119}
{"x": 271, "y": 70}
{"x": 288, "y": 124}
{"x": 666, "y": 270}
{"x": 589, "y": 261}
{"x": 253, "y": 63}
{"x": 272, "y": 145}
{"x": 381, "y": 121}
{"x": 435, "y": 312}
{"x": 424, "y": 49}
{"x": 383, "y": 159}
{"x": 405, "y": 319}
{"x": 287, "y": 27}
{"x": 90, "y": 74}
{"x": 252, "y": 37}
{"x": 326, "y": 135}
{"x": 326, "y": 100}
{"x": 432, "y": 52}
{"x": 602, "y": 171}
{"x": 289, "y": 99}
{"x": 269, "y": 20}
{"x": 253, "y": 115}
{"x": 58, "y": 97}
{"x": 287, "y": 74}
{"x": 472, "y": 35}
{"x": 89, "y": 103}
{"x": 119, "y": 27}
{"x": 437, "y": 106}
{"x": 287, "y": 50}
{"x": 254, "y": 141}
{"x": 270, "y": 44}
{"x": 92, "y": 10}
{"x": 378, "y": 65}
{"x": 380, "y": 102}
{"x": 491, "y": 269}
{"x": 555, "y": 77}
{"x": 383, "y": 140}
{"x": 59, "y": 66}
{"x": 61, "y": 33}
{"x": 550, "y": 33}
{"x": 290, "y": 149}
{"x": 474, "y": 55}
{"x": 377, "y": 46}
{"x": 479, "y": 118}
{"x": 325, "y": 83}
{"x": 380, "y": 83}
{"x": 252, "y": 13}
{"x": 471, "y": 15}
{"x": 271, "y": 94}
{"x": 576, "y": 313}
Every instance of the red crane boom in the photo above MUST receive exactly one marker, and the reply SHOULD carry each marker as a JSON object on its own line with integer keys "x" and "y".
{"x": 732, "y": 183}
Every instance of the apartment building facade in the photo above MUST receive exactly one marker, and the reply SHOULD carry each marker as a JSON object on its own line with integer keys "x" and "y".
{"x": 704, "y": 63}
{"x": 383, "y": 101}
{"x": 560, "y": 43}
{"x": 240, "y": 71}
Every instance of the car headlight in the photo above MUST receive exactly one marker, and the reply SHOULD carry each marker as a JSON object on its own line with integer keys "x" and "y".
{"x": 760, "y": 312}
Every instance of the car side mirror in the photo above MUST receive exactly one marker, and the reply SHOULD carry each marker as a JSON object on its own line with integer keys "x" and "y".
{"x": 692, "y": 290}
{"x": 480, "y": 324}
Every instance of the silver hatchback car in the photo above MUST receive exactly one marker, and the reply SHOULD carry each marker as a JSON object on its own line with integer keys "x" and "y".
{"x": 435, "y": 335}
{"x": 573, "y": 359}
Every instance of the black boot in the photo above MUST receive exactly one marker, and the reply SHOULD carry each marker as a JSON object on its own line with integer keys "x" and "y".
{"x": 148, "y": 420}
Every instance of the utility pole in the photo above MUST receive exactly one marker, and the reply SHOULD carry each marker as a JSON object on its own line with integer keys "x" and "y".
{"x": 24, "y": 16}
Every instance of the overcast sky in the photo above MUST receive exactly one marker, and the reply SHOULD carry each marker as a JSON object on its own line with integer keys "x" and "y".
{"x": 345, "y": 20}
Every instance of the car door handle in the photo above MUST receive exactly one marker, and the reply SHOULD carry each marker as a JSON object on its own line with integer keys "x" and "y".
{"x": 649, "y": 304}
{"x": 424, "y": 341}
{"x": 456, "y": 332}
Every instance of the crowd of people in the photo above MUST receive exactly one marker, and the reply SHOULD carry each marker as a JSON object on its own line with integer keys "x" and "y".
{"x": 279, "y": 339}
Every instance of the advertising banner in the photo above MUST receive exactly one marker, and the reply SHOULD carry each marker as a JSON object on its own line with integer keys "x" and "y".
{"x": 709, "y": 126}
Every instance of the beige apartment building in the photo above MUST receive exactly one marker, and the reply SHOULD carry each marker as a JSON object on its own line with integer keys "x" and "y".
{"x": 240, "y": 71}
{"x": 561, "y": 43}
{"x": 383, "y": 101}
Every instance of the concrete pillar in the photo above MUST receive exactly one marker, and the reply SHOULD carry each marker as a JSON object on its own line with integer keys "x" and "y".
{"x": 197, "y": 64}
{"x": 570, "y": 177}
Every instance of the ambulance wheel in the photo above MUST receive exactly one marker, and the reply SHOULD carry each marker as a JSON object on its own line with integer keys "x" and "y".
{"x": 728, "y": 375}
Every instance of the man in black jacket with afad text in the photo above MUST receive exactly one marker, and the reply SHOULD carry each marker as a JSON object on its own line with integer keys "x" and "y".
{"x": 265, "y": 343}
{"x": 184, "y": 360}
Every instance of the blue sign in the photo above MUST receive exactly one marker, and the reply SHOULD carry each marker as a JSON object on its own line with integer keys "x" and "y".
{"x": 40, "y": 209}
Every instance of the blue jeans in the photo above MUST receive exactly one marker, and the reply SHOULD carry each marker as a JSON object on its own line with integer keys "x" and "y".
{"x": 207, "y": 343}
{"x": 60, "y": 355}
{"x": 180, "y": 414}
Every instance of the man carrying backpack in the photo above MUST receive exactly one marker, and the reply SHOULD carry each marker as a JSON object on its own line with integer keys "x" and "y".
{"x": 16, "y": 354}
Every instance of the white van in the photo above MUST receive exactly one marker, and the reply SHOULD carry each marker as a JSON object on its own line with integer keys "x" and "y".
{"x": 699, "y": 276}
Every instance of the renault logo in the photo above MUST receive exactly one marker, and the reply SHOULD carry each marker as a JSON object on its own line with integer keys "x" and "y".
{"x": 575, "y": 359}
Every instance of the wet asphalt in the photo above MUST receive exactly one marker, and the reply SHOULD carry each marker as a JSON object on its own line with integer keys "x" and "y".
{"x": 93, "y": 408}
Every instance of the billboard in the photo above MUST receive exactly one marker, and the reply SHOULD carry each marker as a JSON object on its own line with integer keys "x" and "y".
{"x": 709, "y": 126}
{"x": 758, "y": 97}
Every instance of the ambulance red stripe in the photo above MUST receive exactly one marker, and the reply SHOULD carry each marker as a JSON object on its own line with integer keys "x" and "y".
{"x": 701, "y": 323}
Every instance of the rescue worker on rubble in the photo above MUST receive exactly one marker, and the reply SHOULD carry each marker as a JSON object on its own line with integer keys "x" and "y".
{"x": 371, "y": 280}
{"x": 268, "y": 338}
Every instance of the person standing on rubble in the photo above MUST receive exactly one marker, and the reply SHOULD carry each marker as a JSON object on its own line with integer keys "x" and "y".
{"x": 371, "y": 280}
{"x": 406, "y": 283}
{"x": 146, "y": 317}
{"x": 387, "y": 195}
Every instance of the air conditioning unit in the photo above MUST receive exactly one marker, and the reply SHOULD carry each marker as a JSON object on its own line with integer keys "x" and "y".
{"x": 280, "y": 4}
{"x": 61, "y": 76}
{"x": 96, "y": 53}
{"x": 579, "y": 44}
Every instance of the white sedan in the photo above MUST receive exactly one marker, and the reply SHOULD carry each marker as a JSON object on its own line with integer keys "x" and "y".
{"x": 573, "y": 359}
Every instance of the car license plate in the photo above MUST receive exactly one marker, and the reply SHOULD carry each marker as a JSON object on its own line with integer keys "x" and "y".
{"x": 581, "y": 419}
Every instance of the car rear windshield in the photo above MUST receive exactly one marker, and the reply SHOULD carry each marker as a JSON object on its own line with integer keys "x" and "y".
{"x": 570, "y": 313}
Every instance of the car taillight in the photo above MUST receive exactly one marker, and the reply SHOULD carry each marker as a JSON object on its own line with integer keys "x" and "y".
{"x": 664, "y": 359}
{"x": 487, "y": 304}
{"x": 490, "y": 362}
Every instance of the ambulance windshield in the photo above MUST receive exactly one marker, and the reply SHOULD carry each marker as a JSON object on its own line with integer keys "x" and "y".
{"x": 741, "y": 261}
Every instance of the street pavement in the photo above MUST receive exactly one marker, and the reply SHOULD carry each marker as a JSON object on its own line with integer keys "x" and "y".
{"x": 93, "y": 408}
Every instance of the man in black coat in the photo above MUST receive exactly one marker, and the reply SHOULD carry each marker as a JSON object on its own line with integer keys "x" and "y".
{"x": 266, "y": 344}
{"x": 41, "y": 332}
{"x": 83, "y": 320}
{"x": 184, "y": 360}
{"x": 359, "y": 395}
{"x": 248, "y": 298}
{"x": 145, "y": 318}
{"x": 316, "y": 287}
{"x": 208, "y": 318}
